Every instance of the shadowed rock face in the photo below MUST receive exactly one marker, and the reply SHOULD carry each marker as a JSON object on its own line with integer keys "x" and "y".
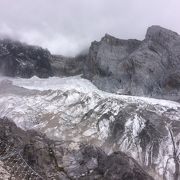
{"x": 67, "y": 66}
{"x": 17, "y": 59}
{"x": 147, "y": 68}
{"x": 43, "y": 158}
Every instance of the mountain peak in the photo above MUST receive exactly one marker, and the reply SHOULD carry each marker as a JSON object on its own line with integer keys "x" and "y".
{"x": 157, "y": 33}
{"x": 107, "y": 37}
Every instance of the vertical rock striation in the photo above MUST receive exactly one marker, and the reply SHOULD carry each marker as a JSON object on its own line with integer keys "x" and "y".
{"x": 146, "y": 68}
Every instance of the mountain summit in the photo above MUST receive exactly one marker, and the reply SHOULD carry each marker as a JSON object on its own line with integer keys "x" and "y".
{"x": 73, "y": 111}
{"x": 145, "y": 68}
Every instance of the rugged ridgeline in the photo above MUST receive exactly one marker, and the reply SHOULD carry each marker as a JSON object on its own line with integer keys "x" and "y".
{"x": 145, "y": 68}
{"x": 22, "y": 60}
{"x": 31, "y": 155}
{"x": 75, "y": 110}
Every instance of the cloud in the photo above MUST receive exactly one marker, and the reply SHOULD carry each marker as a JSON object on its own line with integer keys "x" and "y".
{"x": 68, "y": 26}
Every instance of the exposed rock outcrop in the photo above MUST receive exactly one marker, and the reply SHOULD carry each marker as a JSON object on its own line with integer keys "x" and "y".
{"x": 67, "y": 66}
{"x": 21, "y": 60}
{"x": 147, "y": 68}
{"x": 31, "y": 155}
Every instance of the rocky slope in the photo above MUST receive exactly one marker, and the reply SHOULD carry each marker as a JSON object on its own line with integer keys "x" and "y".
{"x": 67, "y": 66}
{"x": 73, "y": 109}
{"x": 21, "y": 60}
{"x": 31, "y": 155}
{"x": 145, "y": 68}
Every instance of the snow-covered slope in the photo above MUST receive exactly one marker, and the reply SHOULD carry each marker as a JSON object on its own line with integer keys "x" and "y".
{"x": 74, "y": 109}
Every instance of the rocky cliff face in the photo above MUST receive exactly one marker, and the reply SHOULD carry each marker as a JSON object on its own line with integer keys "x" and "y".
{"x": 67, "y": 66}
{"x": 147, "y": 68}
{"x": 21, "y": 60}
{"x": 73, "y": 111}
{"x": 31, "y": 155}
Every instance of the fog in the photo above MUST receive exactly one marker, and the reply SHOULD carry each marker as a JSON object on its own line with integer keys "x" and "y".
{"x": 68, "y": 27}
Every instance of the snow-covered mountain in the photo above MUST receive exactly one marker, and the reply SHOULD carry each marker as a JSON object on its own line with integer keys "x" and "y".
{"x": 148, "y": 68}
{"x": 73, "y": 109}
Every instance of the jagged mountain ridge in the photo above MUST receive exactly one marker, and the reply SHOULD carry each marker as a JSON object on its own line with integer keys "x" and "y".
{"x": 145, "y": 68}
{"x": 74, "y": 109}
{"x": 22, "y": 60}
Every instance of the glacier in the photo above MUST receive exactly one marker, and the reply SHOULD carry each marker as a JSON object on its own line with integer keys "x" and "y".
{"x": 73, "y": 109}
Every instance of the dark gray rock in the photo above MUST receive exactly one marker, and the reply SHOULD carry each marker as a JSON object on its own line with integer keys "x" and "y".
{"x": 67, "y": 66}
{"x": 38, "y": 157}
{"x": 17, "y": 59}
{"x": 92, "y": 163}
{"x": 143, "y": 68}
{"x": 147, "y": 68}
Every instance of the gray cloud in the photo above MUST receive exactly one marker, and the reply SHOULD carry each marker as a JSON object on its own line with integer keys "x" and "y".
{"x": 68, "y": 26}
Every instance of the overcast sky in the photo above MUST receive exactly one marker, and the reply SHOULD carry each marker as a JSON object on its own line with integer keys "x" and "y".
{"x": 68, "y": 26}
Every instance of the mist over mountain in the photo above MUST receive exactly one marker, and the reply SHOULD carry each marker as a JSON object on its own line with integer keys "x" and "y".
{"x": 145, "y": 68}
{"x": 67, "y": 107}
{"x": 66, "y": 27}
{"x": 89, "y": 90}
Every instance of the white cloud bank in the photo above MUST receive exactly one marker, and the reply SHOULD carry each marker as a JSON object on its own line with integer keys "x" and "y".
{"x": 68, "y": 26}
